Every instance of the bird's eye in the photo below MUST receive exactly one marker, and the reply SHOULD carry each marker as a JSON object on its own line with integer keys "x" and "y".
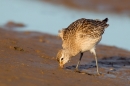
{"x": 61, "y": 58}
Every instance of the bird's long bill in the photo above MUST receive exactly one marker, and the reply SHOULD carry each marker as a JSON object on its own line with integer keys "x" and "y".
{"x": 61, "y": 65}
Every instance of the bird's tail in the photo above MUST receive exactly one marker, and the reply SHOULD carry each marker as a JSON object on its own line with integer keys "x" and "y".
{"x": 104, "y": 23}
{"x": 105, "y": 20}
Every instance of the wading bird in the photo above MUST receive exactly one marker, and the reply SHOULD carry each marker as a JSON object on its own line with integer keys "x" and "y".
{"x": 80, "y": 36}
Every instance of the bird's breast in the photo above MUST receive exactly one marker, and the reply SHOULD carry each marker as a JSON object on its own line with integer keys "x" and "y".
{"x": 89, "y": 43}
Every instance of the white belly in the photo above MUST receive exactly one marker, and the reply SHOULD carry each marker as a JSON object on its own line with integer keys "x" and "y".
{"x": 89, "y": 43}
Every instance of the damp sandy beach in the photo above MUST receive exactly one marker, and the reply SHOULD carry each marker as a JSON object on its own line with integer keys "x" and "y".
{"x": 28, "y": 58}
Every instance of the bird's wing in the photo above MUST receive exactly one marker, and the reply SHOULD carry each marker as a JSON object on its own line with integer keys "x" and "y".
{"x": 92, "y": 28}
{"x": 61, "y": 33}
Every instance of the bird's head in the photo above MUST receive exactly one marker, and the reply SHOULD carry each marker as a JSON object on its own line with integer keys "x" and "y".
{"x": 62, "y": 57}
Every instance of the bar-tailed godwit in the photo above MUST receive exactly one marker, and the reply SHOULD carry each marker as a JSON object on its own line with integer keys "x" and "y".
{"x": 80, "y": 36}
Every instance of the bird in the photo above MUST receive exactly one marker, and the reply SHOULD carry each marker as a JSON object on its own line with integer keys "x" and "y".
{"x": 80, "y": 36}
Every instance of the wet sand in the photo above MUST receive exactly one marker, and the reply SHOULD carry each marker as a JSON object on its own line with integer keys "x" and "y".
{"x": 28, "y": 59}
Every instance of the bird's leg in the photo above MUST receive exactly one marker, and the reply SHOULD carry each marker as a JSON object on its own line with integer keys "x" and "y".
{"x": 93, "y": 51}
{"x": 96, "y": 63}
{"x": 81, "y": 54}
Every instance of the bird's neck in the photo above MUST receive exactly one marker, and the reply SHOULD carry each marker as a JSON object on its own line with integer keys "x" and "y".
{"x": 72, "y": 52}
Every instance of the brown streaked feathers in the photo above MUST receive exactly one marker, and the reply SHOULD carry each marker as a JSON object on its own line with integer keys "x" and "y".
{"x": 88, "y": 27}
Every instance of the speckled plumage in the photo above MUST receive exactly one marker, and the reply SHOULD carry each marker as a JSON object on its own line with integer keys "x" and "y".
{"x": 80, "y": 36}
{"x": 89, "y": 27}
{"x": 82, "y": 31}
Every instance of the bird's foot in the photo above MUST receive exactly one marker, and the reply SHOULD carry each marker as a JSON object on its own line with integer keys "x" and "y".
{"x": 77, "y": 70}
{"x": 98, "y": 74}
{"x": 88, "y": 72}
{"x": 93, "y": 74}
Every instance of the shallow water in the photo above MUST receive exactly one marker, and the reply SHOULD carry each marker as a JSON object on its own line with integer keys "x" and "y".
{"x": 43, "y": 17}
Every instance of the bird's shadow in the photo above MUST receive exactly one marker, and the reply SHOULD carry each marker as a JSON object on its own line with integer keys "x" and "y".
{"x": 115, "y": 62}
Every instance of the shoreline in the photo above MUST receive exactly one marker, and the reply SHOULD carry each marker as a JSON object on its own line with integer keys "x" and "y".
{"x": 102, "y": 6}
